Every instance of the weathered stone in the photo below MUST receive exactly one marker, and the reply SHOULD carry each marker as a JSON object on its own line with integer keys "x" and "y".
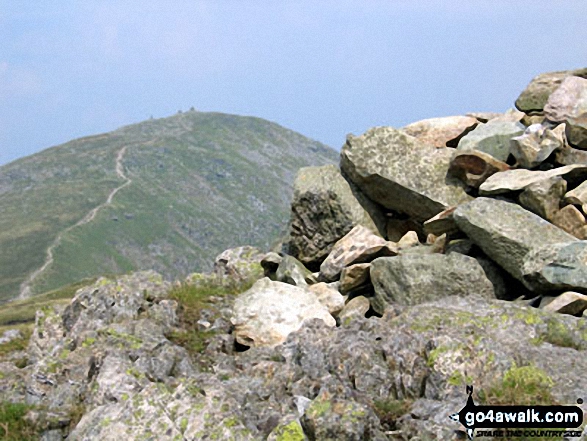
{"x": 528, "y": 120}
{"x": 576, "y": 131}
{"x": 536, "y": 94}
{"x": 514, "y": 180}
{"x": 544, "y": 197}
{"x": 441, "y": 132}
{"x": 492, "y": 138}
{"x": 412, "y": 279}
{"x": 10, "y": 335}
{"x": 325, "y": 207}
{"x": 510, "y": 115}
{"x": 268, "y": 312}
{"x": 292, "y": 271}
{"x": 568, "y": 100}
{"x": 571, "y": 220}
{"x": 400, "y": 173}
{"x": 570, "y": 156}
{"x": 557, "y": 267}
{"x": 359, "y": 246}
{"x": 356, "y": 307}
{"x": 506, "y": 232}
{"x": 474, "y": 167}
{"x": 408, "y": 240}
{"x": 354, "y": 277}
{"x": 239, "y": 264}
{"x": 569, "y": 302}
{"x": 329, "y": 297}
{"x": 536, "y": 144}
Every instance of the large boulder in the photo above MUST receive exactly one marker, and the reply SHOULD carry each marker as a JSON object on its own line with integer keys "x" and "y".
{"x": 325, "y": 207}
{"x": 536, "y": 94}
{"x": 441, "y": 132}
{"x": 569, "y": 100}
{"x": 401, "y": 173}
{"x": 507, "y": 233}
{"x": 492, "y": 138}
{"x": 268, "y": 312}
{"x": 417, "y": 278}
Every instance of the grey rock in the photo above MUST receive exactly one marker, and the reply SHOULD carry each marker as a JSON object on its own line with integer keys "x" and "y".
{"x": 239, "y": 264}
{"x": 402, "y": 174}
{"x": 544, "y": 197}
{"x": 441, "y": 132}
{"x": 578, "y": 196}
{"x": 474, "y": 167}
{"x": 568, "y": 100}
{"x": 359, "y": 246}
{"x": 268, "y": 312}
{"x": 325, "y": 207}
{"x": 329, "y": 297}
{"x": 536, "y": 144}
{"x": 408, "y": 240}
{"x": 506, "y": 232}
{"x": 492, "y": 138}
{"x": 292, "y": 271}
{"x": 442, "y": 223}
{"x": 557, "y": 267}
{"x": 270, "y": 262}
{"x": 570, "y": 156}
{"x": 10, "y": 335}
{"x": 356, "y": 307}
{"x": 514, "y": 180}
{"x": 569, "y": 302}
{"x": 413, "y": 279}
{"x": 536, "y": 94}
{"x": 354, "y": 278}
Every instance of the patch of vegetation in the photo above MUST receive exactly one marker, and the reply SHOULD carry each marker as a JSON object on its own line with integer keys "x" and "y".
{"x": 289, "y": 432}
{"x": 390, "y": 410}
{"x": 522, "y": 385}
{"x": 558, "y": 334}
{"x": 13, "y": 426}
{"x": 18, "y": 344}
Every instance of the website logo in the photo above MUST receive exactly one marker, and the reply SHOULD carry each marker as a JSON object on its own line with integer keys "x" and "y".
{"x": 507, "y": 418}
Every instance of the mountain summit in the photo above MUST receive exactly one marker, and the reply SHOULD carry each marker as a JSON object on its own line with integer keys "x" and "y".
{"x": 164, "y": 194}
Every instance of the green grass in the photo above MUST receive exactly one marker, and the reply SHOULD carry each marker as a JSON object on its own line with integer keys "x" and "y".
{"x": 13, "y": 426}
{"x": 389, "y": 410}
{"x": 197, "y": 190}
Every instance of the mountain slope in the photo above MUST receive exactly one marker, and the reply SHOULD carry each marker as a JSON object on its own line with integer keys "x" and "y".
{"x": 165, "y": 194}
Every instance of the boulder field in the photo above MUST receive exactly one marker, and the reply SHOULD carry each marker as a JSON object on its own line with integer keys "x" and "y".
{"x": 447, "y": 253}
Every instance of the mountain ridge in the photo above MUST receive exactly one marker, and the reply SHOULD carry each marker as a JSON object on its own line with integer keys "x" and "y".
{"x": 177, "y": 166}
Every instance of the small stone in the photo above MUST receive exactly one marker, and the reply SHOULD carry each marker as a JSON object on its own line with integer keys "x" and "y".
{"x": 570, "y": 219}
{"x": 358, "y": 246}
{"x": 576, "y": 131}
{"x": 474, "y": 167}
{"x": 292, "y": 271}
{"x": 329, "y": 297}
{"x": 409, "y": 240}
{"x": 9, "y": 335}
{"x": 356, "y": 307}
{"x": 570, "y": 156}
{"x": 442, "y": 223}
{"x": 578, "y": 196}
{"x": 354, "y": 277}
{"x": 536, "y": 144}
{"x": 568, "y": 302}
{"x": 270, "y": 262}
{"x": 544, "y": 197}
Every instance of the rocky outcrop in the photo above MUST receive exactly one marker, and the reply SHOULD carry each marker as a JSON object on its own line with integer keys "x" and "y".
{"x": 400, "y": 173}
{"x": 325, "y": 207}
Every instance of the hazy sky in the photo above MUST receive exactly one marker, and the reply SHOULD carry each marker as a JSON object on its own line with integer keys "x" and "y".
{"x": 324, "y": 68}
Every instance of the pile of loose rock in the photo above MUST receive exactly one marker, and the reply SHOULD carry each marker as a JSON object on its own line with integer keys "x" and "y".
{"x": 447, "y": 253}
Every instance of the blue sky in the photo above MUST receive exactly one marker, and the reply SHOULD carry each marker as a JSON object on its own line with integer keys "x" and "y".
{"x": 323, "y": 68}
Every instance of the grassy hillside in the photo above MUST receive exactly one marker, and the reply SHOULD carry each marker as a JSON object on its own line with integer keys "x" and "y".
{"x": 189, "y": 186}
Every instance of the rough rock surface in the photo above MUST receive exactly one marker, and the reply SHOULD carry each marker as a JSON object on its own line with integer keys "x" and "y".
{"x": 268, "y": 312}
{"x": 536, "y": 144}
{"x": 413, "y": 279}
{"x": 568, "y": 100}
{"x": 492, "y": 138}
{"x": 325, "y": 207}
{"x": 571, "y": 220}
{"x": 544, "y": 197}
{"x": 241, "y": 263}
{"x": 536, "y": 94}
{"x": 568, "y": 302}
{"x": 576, "y": 131}
{"x": 441, "y": 132}
{"x": 506, "y": 232}
{"x": 400, "y": 173}
{"x": 514, "y": 180}
{"x": 359, "y": 246}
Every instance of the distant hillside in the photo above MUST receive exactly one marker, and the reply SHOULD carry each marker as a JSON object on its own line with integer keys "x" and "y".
{"x": 166, "y": 194}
